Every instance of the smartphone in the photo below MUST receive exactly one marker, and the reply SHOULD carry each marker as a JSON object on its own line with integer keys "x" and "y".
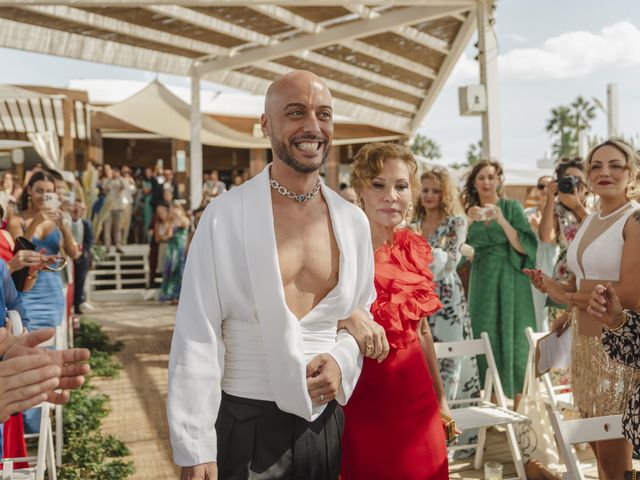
{"x": 51, "y": 200}
{"x": 69, "y": 197}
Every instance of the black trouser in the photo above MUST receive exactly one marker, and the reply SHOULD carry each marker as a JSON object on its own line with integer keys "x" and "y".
{"x": 258, "y": 441}
{"x": 81, "y": 268}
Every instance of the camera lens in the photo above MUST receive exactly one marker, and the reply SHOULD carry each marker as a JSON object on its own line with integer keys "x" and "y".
{"x": 568, "y": 184}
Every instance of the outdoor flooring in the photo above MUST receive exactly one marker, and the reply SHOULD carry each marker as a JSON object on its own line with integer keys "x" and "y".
{"x": 138, "y": 395}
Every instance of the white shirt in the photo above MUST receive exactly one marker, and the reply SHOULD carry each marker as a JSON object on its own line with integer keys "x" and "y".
{"x": 234, "y": 331}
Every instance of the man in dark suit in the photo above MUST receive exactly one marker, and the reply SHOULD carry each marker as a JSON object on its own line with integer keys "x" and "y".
{"x": 83, "y": 235}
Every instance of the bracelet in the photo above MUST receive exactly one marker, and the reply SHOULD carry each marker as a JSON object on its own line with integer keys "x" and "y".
{"x": 627, "y": 316}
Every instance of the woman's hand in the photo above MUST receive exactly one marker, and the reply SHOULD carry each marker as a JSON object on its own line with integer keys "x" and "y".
{"x": 561, "y": 324}
{"x": 552, "y": 191}
{"x": 476, "y": 214}
{"x": 444, "y": 408}
{"x": 604, "y": 306}
{"x": 536, "y": 277}
{"x": 25, "y": 258}
{"x": 493, "y": 212}
{"x": 370, "y": 336}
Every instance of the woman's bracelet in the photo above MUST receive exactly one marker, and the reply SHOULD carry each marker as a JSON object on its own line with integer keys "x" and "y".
{"x": 625, "y": 319}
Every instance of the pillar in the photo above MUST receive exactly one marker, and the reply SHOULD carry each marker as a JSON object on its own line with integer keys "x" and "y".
{"x": 195, "y": 146}
{"x": 488, "y": 60}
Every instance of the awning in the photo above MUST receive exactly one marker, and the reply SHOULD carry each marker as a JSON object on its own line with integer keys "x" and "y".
{"x": 157, "y": 110}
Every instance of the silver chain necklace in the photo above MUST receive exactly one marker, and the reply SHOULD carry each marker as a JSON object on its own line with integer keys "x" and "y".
{"x": 299, "y": 197}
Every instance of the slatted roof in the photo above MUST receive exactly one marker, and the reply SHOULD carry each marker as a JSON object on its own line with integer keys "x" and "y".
{"x": 385, "y": 62}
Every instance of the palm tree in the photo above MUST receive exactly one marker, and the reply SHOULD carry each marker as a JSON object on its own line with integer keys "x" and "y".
{"x": 583, "y": 112}
{"x": 426, "y": 147}
{"x": 561, "y": 128}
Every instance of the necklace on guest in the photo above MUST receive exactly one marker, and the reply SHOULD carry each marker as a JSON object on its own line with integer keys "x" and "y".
{"x": 299, "y": 197}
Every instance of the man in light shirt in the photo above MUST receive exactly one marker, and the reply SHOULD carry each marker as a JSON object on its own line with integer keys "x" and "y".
{"x": 258, "y": 368}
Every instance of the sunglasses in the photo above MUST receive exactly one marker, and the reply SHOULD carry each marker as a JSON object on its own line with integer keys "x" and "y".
{"x": 541, "y": 186}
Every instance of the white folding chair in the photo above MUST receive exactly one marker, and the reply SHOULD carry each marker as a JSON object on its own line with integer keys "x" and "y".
{"x": 45, "y": 458}
{"x": 571, "y": 432}
{"x": 482, "y": 413}
{"x": 558, "y": 396}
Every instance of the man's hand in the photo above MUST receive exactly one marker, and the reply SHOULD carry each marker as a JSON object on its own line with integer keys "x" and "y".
{"x": 323, "y": 378}
{"x": 371, "y": 337}
{"x": 206, "y": 471}
{"x": 25, "y": 381}
{"x": 71, "y": 363}
{"x": 605, "y": 306}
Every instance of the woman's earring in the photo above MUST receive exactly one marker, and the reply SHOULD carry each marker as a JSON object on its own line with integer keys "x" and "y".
{"x": 409, "y": 214}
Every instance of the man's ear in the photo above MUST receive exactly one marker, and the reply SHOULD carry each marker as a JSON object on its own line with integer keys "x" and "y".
{"x": 264, "y": 124}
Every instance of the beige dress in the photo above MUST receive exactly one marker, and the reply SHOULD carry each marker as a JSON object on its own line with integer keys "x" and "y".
{"x": 601, "y": 386}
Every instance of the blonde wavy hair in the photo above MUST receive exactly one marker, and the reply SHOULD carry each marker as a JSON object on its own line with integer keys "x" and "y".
{"x": 369, "y": 161}
{"x": 633, "y": 163}
{"x": 450, "y": 202}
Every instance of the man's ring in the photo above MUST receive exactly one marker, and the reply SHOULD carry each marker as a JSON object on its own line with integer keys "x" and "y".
{"x": 322, "y": 397}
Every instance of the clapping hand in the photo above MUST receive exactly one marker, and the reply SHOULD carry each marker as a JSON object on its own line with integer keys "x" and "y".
{"x": 604, "y": 306}
{"x": 536, "y": 277}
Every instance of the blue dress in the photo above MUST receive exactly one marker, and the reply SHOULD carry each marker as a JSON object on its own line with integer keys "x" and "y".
{"x": 45, "y": 302}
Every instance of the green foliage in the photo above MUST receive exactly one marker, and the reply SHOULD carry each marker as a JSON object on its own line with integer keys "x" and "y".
{"x": 426, "y": 147}
{"x": 567, "y": 121}
{"x": 474, "y": 154}
{"x": 104, "y": 365}
{"x": 91, "y": 336}
{"x": 87, "y": 453}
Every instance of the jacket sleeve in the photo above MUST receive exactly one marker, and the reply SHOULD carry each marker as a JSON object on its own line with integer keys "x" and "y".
{"x": 346, "y": 351}
{"x": 196, "y": 360}
{"x": 624, "y": 345}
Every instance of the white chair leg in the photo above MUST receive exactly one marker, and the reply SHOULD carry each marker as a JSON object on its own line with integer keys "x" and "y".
{"x": 515, "y": 452}
{"x": 482, "y": 440}
{"x": 51, "y": 460}
{"x": 7, "y": 470}
{"x": 59, "y": 443}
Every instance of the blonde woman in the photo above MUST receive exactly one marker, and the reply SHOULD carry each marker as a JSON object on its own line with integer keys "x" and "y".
{"x": 605, "y": 249}
{"x": 441, "y": 221}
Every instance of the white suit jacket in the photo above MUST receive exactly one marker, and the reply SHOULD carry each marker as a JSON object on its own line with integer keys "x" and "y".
{"x": 232, "y": 272}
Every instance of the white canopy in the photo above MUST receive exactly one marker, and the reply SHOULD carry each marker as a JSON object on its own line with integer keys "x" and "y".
{"x": 155, "y": 109}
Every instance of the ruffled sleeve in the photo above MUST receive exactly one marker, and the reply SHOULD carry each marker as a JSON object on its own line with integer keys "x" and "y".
{"x": 405, "y": 287}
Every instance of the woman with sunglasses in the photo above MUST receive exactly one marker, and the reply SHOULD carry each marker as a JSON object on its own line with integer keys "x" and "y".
{"x": 562, "y": 214}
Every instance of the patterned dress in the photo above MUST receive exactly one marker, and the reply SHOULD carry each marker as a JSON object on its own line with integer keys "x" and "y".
{"x": 624, "y": 346}
{"x": 174, "y": 261}
{"x": 452, "y": 324}
{"x": 500, "y": 300}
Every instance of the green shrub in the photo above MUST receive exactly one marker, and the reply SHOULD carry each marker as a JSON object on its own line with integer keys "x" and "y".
{"x": 87, "y": 453}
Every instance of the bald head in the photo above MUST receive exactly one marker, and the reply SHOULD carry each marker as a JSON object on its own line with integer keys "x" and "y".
{"x": 296, "y": 81}
{"x": 298, "y": 119}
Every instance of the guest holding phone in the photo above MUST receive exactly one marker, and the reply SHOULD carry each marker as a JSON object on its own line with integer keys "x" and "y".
{"x": 42, "y": 223}
{"x": 500, "y": 299}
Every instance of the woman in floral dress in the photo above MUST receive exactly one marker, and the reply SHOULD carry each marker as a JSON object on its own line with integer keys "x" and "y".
{"x": 440, "y": 220}
{"x": 175, "y": 256}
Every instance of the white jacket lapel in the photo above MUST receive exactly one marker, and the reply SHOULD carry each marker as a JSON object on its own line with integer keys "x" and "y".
{"x": 280, "y": 329}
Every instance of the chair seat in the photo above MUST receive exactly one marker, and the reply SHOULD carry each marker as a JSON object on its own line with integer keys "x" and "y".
{"x": 486, "y": 415}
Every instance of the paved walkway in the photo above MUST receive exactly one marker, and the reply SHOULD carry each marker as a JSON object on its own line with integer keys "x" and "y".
{"x": 138, "y": 395}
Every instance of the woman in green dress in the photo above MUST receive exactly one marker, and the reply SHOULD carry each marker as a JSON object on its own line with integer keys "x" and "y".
{"x": 175, "y": 257}
{"x": 500, "y": 299}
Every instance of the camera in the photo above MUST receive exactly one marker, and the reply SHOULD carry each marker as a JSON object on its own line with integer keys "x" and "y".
{"x": 568, "y": 184}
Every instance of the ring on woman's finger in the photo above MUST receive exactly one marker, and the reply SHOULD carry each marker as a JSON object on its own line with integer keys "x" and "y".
{"x": 322, "y": 397}
{"x": 369, "y": 347}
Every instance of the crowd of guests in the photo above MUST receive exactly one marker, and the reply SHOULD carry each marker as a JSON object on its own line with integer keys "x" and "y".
{"x": 44, "y": 255}
{"x": 570, "y": 262}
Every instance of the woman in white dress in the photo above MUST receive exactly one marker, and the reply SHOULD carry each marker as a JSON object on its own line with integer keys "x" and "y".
{"x": 605, "y": 249}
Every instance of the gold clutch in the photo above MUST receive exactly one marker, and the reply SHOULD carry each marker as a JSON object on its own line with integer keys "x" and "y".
{"x": 450, "y": 427}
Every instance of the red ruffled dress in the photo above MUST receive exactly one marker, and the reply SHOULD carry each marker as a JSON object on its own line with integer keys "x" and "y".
{"x": 392, "y": 428}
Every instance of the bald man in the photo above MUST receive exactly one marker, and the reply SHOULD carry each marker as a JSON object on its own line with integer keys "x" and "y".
{"x": 258, "y": 366}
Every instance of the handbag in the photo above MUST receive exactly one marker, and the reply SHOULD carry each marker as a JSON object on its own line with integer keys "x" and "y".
{"x": 20, "y": 276}
{"x": 450, "y": 427}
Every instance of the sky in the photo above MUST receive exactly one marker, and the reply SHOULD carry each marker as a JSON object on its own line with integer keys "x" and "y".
{"x": 550, "y": 52}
